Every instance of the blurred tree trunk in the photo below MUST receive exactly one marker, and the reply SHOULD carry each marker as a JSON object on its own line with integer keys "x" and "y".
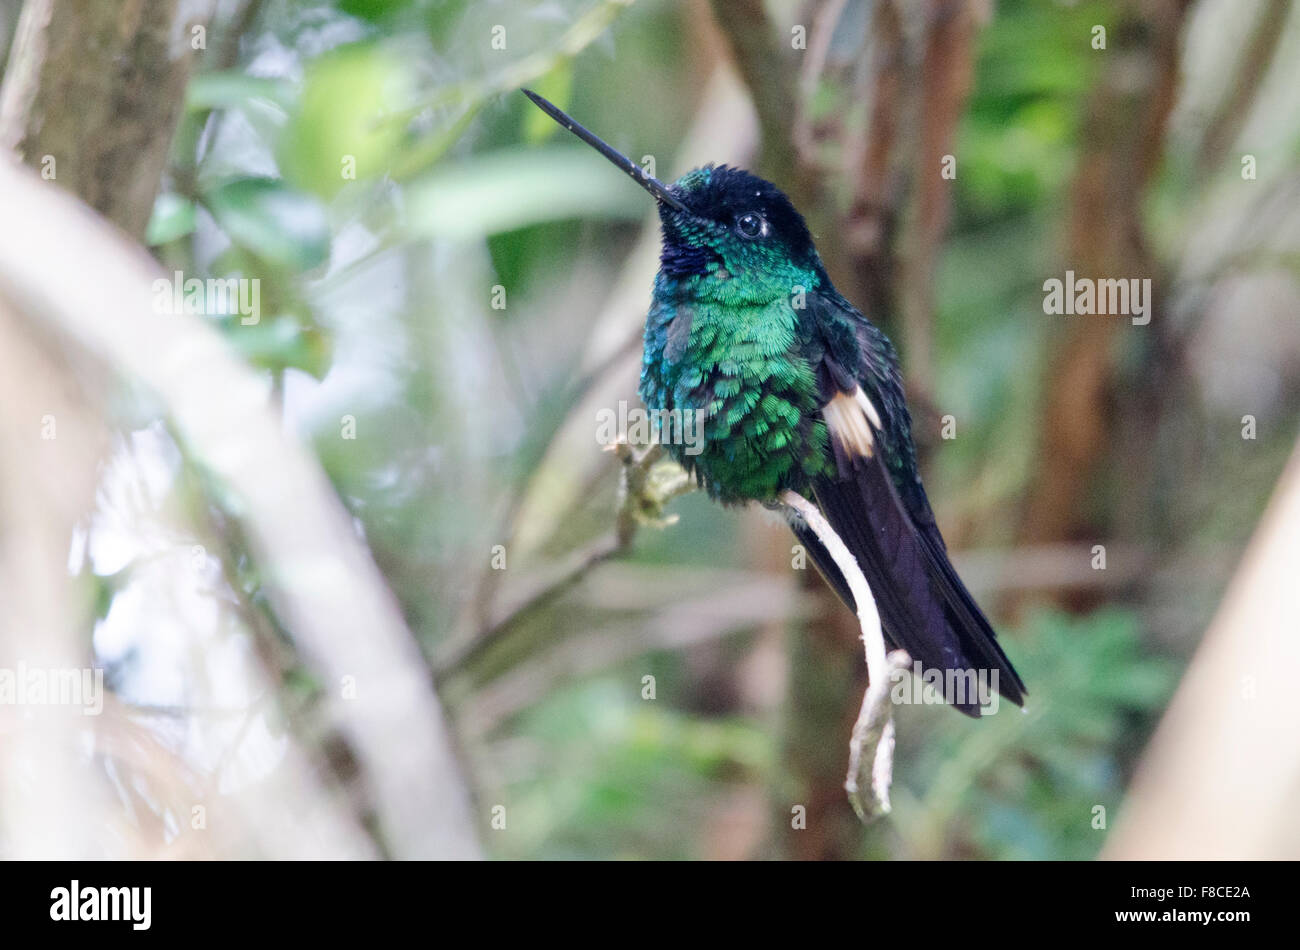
{"x": 827, "y": 678}
{"x": 1123, "y": 141}
{"x": 913, "y": 99}
{"x": 947, "y": 72}
{"x": 874, "y": 165}
{"x": 91, "y": 96}
{"x": 93, "y": 93}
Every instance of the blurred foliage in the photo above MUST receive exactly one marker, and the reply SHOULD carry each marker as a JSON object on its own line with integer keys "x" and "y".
{"x": 596, "y": 763}
{"x": 600, "y": 768}
{"x": 365, "y": 162}
{"x": 1025, "y": 784}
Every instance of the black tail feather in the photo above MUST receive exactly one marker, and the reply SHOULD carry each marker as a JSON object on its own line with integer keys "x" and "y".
{"x": 924, "y": 607}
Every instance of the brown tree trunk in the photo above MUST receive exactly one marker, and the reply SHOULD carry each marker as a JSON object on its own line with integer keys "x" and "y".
{"x": 93, "y": 93}
{"x": 947, "y": 71}
{"x": 1123, "y": 138}
{"x": 827, "y": 671}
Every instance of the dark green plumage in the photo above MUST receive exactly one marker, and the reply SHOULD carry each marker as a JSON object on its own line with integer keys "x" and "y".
{"x": 739, "y": 328}
{"x": 736, "y": 363}
{"x": 799, "y": 391}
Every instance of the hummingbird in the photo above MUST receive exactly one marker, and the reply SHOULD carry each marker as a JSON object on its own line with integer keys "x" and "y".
{"x": 800, "y": 392}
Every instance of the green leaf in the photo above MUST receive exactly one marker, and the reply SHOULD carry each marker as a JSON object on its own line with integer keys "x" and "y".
{"x": 275, "y": 222}
{"x": 513, "y": 188}
{"x": 226, "y": 90}
{"x": 346, "y": 122}
{"x": 173, "y": 217}
{"x": 280, "y": 343}
{"x": 373, "y": 10}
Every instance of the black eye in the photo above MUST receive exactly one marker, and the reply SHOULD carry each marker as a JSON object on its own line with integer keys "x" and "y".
{"x": 751, "y": 225}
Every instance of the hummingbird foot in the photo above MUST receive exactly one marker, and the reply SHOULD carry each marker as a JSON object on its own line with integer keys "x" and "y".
{"x": 650, "y": 482}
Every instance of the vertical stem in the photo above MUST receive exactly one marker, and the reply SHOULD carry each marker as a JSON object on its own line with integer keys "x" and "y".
{"x": 873, "y": 730}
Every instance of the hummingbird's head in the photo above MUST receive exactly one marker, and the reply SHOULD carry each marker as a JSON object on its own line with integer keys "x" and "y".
{"x": 726, "y": 231}
{"x": 734, "y": 224}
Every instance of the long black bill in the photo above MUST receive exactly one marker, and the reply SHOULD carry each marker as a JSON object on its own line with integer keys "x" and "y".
{"x": 649, "y": 183}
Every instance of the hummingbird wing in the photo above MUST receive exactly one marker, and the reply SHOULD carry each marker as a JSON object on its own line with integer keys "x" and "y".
{"x": 875, "y": 502}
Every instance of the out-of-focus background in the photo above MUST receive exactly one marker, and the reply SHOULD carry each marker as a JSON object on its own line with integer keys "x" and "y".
{"x": 353, "y": 558}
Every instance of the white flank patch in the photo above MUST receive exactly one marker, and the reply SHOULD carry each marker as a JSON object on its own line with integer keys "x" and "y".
{"x": 849, "y": 418}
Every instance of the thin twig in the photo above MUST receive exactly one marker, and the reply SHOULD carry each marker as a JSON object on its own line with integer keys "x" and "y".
{"x": 874, "y": 728}
{"x": 765, "y": 65}
{"x": 810, "y": 75}
{"x": 645, "y": 488}
{"x": 478, "y": 611}
{"x": 473, "y": 95}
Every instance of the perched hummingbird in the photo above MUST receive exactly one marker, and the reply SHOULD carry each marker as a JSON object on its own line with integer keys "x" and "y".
{"x": 800, "y": 392}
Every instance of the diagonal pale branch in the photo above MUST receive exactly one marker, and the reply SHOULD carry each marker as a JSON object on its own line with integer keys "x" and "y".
{"x": 65, "y": 266}
{"x": 1253, "y": 65}
{"x": 874, "y": 729}
{"x": 766, "y": 66}
{"x": 1227, "y": 746}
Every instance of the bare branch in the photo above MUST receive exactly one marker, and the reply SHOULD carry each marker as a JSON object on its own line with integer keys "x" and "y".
{"x": 1253, "y": 65}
